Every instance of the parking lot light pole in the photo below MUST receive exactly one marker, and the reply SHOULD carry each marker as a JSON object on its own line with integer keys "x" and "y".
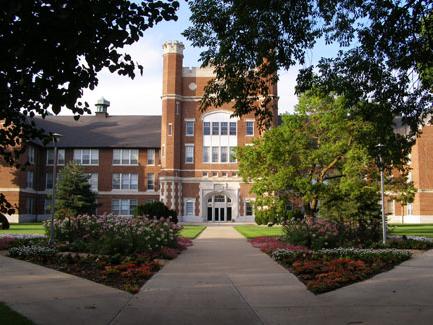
{"x": 56, "y": 137}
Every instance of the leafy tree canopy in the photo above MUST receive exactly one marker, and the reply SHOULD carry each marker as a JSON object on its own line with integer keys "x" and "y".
{"x": 386, "y": 46}
{"x": 317, "y": 154}
{"x": 53, "y": 49}
{"x": 73, "y": 193}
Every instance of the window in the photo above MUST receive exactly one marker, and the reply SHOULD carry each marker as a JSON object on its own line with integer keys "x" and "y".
{"x": 205, "y": 174}
{"x": 224, "y": 128}
{"x": 86, "y": 156}
{"x": 214, "y": 174}
{"x": 31, "y": 154}
{"x": 60, "y": 156}
{"x": 189, "y": 153}
{"x": 30, "y": 204}
{"x": 232, "y": 128}
{"x": 49, "y": 181}
{"x": 123, "y": 207}
{"x": 224, "y": 174}
{"x": 170, "y": 129}
{"x": 29, "y": 179}
{"x": 250, "y": 128}
{"x": 215, "y": 128}
{"x": 93, "y": 181}
{"x": 125, "y": 181}
{"x": 150, "y": 180}
{"x": 47, "y": 206}
{"x": 125, "y": 156}
{"x": 206, "y": 154}
{"x": 189, "y": 207}
{"x": 206, "y": 128}
{"x": 151, "y": 156}
{"x": 410, "y": 209}
{"x": 215, "y": 154}
{"x": 189, "y": 128}
{"x": 248, "y": 208}
{"x": 232, "y": 154}
{"x": 224, "y": 154}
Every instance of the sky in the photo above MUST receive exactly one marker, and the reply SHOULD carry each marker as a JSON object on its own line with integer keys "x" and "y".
{"x": 142, "y": 95}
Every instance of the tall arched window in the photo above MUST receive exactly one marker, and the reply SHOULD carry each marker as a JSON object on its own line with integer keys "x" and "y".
{"x": 219, "y": 138}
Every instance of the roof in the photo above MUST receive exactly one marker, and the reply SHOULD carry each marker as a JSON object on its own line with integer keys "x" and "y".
{"x": 99, "y": 131}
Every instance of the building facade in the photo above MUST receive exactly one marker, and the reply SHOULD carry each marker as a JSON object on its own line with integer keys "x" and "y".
{"x": 184, "y": 158}
{"x": 421, "y": 163}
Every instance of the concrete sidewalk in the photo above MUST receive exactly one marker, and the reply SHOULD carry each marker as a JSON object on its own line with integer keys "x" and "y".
{"x": 222, "y": 279}
{"x": 47, "y": 296}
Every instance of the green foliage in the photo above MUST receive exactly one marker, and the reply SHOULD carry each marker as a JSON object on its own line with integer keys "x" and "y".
{"x": 53, "y": 49}
{"x": 73, "y": 193}
{"x": 248, "y": 42}
{"x": 313, "y": 155}
{"x": 112, "y": 235}
{"x": 155, "y": 209}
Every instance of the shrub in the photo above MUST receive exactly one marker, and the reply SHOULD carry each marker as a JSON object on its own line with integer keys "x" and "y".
{"x": 112, "y": 235}
{"x": 312, "y": 234}
{"x": 31, "y": 251}
{"x": 155, "y": 209}
{"x": 5, "y": 242}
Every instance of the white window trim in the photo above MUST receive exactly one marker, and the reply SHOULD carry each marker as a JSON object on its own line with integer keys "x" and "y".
{"x": 120, "y": 206}
{"x": 32, "y": 179}
{"x": 147, "y": 183}
{"x": 246, "y": 128}
{"x": 193, "y": 153}
{"x": 251, "y": 201}
{"x": 189, "y": 200}
{"x": 120, "y": 182}
{"x": 58, "y": 151}
{"x": 186, "y": 128}
{"x": 81, "y": 156}
{"x": 31, "y": 154}
{"x": 129, "y": 157}
{"x": 147, "y": 157}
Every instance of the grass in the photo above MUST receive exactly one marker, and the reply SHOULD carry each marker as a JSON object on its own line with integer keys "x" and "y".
{"x": 8, "y": 316}
{"x": 253, "y": 231}
{"x": 424, "y": 230}
{"x": 24, "y": 229}
{"x": 191, "y": 231}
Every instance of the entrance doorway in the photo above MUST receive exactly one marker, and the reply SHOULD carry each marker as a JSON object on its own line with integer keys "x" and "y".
{"x": 219, "y": 208}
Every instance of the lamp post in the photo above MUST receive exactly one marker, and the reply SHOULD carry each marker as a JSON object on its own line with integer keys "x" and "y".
{"x": 382, "y": 194}
{"x": 56, "y": 137}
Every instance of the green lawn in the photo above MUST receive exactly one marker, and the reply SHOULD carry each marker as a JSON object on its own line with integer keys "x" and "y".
{"x": 24, "y": 228}
{"x": 253, "y": 231}
{"x": 8, "y": 316}
{"x": 424, "y": 230}
{"x": 191, "y": 231}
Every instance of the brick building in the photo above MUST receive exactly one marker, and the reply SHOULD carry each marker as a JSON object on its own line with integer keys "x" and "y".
{"x": 421, "y": 162}
{"x": 183, "y": 157}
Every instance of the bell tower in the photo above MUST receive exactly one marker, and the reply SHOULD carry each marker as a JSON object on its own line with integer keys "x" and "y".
{"x": 171, "y": 122}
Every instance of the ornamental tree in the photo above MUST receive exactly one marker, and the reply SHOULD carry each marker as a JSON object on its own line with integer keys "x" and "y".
{"x": 53, "y": 49}
{"x": 316, "y": 153}
{"x": 73, "y": 193}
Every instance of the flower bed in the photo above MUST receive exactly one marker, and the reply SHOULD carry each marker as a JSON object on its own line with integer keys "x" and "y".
{"x": 270, "y": 244}
{"x": 120, "y": 252}
{"x": 328, "y": 269}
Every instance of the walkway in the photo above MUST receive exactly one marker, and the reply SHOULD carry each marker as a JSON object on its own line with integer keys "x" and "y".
{"x": 220, "y": 280}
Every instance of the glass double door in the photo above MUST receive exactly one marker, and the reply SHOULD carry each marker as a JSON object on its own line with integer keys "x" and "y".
{"x": 219, "y": 208}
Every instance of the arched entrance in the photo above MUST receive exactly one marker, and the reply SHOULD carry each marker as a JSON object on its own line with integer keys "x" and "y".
{"x": 219, "y": 208}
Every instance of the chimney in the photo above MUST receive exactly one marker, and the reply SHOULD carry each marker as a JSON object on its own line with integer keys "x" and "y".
{"x": 101, "y": 107}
